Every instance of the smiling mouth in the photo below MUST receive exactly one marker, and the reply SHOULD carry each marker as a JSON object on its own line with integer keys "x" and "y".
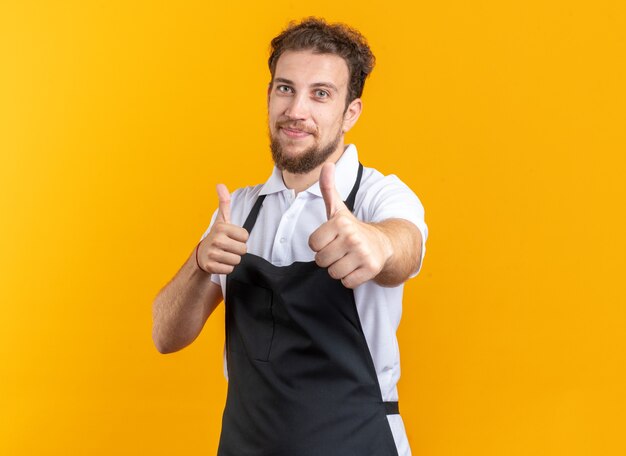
{"x": 293, "y": 133}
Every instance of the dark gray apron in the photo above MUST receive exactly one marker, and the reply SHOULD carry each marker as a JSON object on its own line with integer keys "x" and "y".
{"x": 301, "y": 379}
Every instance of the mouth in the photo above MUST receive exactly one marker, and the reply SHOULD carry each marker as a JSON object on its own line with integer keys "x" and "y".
{"x": 294, "y": 133}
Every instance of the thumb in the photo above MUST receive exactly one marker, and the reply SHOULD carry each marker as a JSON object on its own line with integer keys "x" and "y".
{"x": 223, "y": 195}
{"x": 331, "y": 196}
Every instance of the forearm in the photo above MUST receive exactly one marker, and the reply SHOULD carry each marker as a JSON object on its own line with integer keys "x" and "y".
{"x": 182, "y": 307}
{"x": 404, "y": 241}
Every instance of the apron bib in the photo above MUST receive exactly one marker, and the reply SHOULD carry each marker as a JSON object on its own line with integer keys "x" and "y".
{"x": 301, "y": 379}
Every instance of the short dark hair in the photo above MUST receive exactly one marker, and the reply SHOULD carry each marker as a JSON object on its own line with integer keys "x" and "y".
{"x": 316, "y": 34}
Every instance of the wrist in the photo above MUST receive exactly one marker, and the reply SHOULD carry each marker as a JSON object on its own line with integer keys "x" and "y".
{"x": 197, "y": 259}
{"x": 385, "y": 246}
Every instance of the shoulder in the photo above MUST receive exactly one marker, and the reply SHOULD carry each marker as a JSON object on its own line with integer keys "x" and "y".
{"x": 245, "y": 194}
{"x": 385, "y": 196}
{"x": 242, "y": 200}
{"x": 374, "y": 180}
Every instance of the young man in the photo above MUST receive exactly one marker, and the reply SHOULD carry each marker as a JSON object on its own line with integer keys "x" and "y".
{"x": 311, "y": 265}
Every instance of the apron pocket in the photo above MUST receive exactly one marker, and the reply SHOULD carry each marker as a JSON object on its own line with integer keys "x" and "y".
{"x": 251, "y": 308}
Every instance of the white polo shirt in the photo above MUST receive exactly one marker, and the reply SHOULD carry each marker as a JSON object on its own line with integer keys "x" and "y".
{"x": 281, "y": 236}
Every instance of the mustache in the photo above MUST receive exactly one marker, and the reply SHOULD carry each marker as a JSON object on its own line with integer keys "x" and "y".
{"x": 297, "y": 125}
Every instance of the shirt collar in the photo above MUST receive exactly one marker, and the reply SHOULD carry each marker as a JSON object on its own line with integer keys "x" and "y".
{"x": 346, "y": 170}
{"x": 274, "y": 184}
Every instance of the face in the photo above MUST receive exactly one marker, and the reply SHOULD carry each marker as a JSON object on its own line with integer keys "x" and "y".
{"x": 307, "y": 109}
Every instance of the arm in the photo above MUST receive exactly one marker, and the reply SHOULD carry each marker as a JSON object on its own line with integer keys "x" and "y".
{"x": 183, "y": 305}
{"x": 405, "y": 247}
{"x": 388, "y": 251}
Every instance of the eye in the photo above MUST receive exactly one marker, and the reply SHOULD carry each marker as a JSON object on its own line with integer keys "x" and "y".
{"x": 283, "y": 89}
{"x": 321, "y": 93}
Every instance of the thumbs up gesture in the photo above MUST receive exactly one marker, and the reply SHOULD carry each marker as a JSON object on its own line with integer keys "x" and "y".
{"x": 353, "y": 251}
{"x": 221, "y": 250}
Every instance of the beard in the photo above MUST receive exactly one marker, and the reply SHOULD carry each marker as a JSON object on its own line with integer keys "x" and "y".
{"x": 305, "y": 161}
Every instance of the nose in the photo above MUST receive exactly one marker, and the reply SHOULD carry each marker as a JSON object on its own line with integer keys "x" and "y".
{"x": 297, "y": 107}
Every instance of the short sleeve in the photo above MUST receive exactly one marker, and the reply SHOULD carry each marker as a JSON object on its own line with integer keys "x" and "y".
{"x": 392, "y": 198}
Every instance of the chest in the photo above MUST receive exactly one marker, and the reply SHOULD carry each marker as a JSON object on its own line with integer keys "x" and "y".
{"x": 283, "y": 227}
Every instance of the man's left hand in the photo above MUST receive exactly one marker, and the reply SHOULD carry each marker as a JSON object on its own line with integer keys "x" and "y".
{"x": 353, "y": 251}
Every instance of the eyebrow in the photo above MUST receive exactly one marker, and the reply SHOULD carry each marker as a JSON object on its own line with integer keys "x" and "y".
{"x": 315, "y": 84}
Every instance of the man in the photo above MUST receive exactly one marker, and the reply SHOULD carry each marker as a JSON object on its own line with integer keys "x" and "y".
{"x": 311, "y": 266}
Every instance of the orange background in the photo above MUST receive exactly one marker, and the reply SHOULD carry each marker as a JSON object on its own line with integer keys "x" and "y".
{"x": 507, "y": 119}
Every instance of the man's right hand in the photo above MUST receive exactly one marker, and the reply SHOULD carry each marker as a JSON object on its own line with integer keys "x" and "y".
{"x": 221, "y": 250}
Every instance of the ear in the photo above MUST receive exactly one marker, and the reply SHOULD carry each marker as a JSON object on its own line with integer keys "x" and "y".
{"x": 352, "y": 114}
{"x": 269, "y": 91}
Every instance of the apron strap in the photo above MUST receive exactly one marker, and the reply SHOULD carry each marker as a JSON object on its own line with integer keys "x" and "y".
{"x": 251, "y": 220}
{"x": 349, "y": 202}
{"x": 392, "y": 408}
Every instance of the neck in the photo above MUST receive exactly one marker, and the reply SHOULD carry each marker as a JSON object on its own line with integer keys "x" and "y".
{"x": 300, "y": 182}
